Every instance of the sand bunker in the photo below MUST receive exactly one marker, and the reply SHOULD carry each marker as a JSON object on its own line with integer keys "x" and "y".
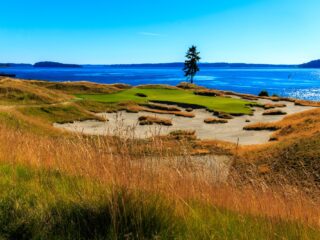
{"x": 126, "y": 124}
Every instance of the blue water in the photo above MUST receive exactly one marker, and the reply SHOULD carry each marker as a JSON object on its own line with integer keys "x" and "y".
{"x": 289, "y": 82}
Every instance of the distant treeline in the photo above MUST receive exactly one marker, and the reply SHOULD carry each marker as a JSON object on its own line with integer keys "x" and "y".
{"x": 48, "y": 64}
{"x": 216, "y": 65}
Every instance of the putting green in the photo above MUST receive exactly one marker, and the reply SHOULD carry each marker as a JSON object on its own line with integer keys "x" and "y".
{"x": 223, "y": 104}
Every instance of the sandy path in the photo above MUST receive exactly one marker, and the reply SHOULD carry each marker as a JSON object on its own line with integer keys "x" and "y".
{"x": 126, "y": 125}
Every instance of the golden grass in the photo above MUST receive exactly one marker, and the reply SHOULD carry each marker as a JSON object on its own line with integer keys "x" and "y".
{"x": 15, "y": 91}
{"x": 153, "y": 167}
{"x": 307, "y": 103}
{"x": 292, "y": 160}
{"x": 297, "y": 125}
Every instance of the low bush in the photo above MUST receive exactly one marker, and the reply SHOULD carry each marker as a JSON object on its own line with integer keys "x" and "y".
{"x": 263, "y": 93}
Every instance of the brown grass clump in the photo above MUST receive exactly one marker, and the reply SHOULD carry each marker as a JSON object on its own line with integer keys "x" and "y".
{"x": 215, "y": 121}
{"x": 306, "y": 103}
{"x": 208, "y": 92}
{"x": 243, "y": 96}
{"x": 183, "y": 135}
{"x": 261, "y": 126}
{"x": 136, "y": 108}
{"x": 274, "y": 112}
{"x": 150, "y": 120}
{"x": 184, "y": 114}
{"x": 275, "y": 105}
{"x": 186, "y": 85}
{"x": 223, "y": 115}
{"x": 159, "y": 106}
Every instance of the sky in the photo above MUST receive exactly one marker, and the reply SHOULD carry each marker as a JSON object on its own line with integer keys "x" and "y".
{"x": 148, "y": 31}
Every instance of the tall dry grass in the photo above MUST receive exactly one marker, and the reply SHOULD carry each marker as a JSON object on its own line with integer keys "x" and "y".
{"x": 156, "y": 166}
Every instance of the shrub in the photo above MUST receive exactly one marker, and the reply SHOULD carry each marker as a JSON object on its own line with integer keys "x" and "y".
{"x": 263, "y": 93}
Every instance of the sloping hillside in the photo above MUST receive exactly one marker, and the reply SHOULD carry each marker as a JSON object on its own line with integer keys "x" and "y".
{"x": 14, "y": 91}
{"x": 293, "y": 159}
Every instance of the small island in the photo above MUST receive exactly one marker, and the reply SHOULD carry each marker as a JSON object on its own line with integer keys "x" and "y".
{"x": 55, "y": 65}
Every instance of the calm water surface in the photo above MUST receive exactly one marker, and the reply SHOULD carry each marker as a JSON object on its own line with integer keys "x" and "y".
{"x": 290, "y": 82}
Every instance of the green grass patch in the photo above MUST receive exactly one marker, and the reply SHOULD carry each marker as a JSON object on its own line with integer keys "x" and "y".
{"x": 207, "y": 222}
{"x": 42, "y": 204}
{"x": 228, "y": 105}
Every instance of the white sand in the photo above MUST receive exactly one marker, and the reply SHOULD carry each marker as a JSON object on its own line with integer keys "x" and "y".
{"x": 126, "y": 125}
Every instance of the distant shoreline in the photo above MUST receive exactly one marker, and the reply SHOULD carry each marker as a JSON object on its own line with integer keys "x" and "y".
{"x": 50, "y": 64}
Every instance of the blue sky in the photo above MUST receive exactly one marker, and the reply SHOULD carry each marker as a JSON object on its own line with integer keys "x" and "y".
{"x": 140, "y": 31}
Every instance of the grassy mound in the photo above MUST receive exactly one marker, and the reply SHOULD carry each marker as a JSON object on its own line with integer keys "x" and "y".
{"x": 295, "y": 158}
{"x": 14, "y": 91}
{"x": 60, "y": 113}
{"x": 293, "y": 126}
{"x": 80, "y": 87}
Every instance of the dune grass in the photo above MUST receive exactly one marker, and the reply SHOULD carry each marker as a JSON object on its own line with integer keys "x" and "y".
{"x": 14, "y": 91}
{"x": 46, "y": 204}
{"x": 41, "y": 204}
{"x": 228, "y": 105}
{"x": 292, "y": 157}
{"x": 76, "y": 188}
